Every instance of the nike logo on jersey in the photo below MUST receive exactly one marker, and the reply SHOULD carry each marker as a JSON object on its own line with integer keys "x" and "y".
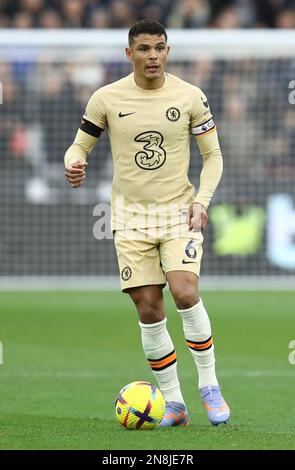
{"x": 187, "y": 262}
{"x": 125, "y": 114}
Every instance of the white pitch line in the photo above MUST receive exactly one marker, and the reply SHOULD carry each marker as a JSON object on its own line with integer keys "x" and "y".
{"x": 111, "y": 283}
{"x": 54, "y": 374}
{"x": 259, "y": 373}
{"x": 98, "y": 375}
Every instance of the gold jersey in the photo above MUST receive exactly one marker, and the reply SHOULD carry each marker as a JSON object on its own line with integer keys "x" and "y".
{"x": 150, "y": 132}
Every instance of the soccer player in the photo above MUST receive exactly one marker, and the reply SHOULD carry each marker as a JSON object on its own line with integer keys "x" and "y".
{"x": 157, "y": 217}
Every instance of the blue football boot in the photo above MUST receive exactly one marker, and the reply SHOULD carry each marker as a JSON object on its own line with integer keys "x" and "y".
{"x": 217, "y": 410}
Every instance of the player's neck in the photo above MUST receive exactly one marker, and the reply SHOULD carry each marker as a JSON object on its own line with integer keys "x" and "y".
{"x": 146, "y": 84}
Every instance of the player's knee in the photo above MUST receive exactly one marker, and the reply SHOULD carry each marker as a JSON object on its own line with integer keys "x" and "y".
{"x": 149, "y": 311}
{"x": 150, "y": 314}
{"x": 185, "y": 297}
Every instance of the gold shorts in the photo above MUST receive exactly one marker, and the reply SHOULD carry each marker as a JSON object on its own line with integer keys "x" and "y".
{"x": 146, "y": 255}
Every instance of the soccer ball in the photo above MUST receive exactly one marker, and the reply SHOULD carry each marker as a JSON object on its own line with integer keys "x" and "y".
{"x": 140, "y": 405}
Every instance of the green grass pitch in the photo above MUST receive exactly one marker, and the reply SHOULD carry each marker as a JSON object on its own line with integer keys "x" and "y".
{"x": 67, "y": 354}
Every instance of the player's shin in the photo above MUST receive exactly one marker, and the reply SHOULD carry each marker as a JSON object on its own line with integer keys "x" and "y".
{"x": 197, "y": 330}
{"x": 160, "y": 353}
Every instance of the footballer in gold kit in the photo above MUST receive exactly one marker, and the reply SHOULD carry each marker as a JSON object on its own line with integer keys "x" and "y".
{"x": 158, "y": 217}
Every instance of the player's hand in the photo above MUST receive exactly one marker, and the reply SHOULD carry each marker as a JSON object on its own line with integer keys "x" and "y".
{"x": 197, "y": 217}
{"x": 76, "y": 174}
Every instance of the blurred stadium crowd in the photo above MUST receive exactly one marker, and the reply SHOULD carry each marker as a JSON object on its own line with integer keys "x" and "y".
{"x": 122, "y": 13}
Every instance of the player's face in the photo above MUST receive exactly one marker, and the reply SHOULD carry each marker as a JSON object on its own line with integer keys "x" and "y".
{"x": 149, "y": 56}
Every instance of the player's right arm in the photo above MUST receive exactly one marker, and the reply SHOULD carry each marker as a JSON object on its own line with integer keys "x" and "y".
{"x": 92, "y": 125}
{"x": 76, "y": 156}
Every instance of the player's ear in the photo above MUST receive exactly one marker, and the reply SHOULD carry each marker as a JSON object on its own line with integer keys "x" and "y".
{"x": 128, "y": 52}
{"x": 168, "y": 49}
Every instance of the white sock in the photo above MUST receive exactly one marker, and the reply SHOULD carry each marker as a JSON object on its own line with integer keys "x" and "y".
{"x": 197, "y": 330}
{"x": 160, "y": 353}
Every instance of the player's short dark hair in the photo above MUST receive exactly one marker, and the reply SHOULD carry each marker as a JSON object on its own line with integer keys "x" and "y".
{"x": 146, "y": 27}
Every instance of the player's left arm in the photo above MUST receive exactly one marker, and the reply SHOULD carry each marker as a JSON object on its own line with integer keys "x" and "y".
{"x": 207, "y": 140}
